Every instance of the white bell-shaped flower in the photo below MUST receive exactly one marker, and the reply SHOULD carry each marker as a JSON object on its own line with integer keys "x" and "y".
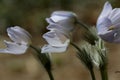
{"x": 65, "y": 19}
{"x": 61, "y": 24}
{"x": 20, "y": 41}
{"x": 57, "y": 42}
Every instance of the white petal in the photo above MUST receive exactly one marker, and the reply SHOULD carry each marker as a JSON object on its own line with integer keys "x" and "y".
{"x": 64, "y": 13}
{"x": 117, "y": 25}
{"x": 14, "y": 48}
{"x": 117, "y": 36}
{"x": 53, "y": 49}
{"x": 68, "y": 24}
{"x": 103, "y": 26}
{"x": 57, "y": 27}
{"x": 56, "y": 18}
{"x": 65, "y": 25}
{"x": 106, "y": 10}
{"x": 115, "y": 16}
{"x": 55, "y": 38}
{"x": 113, "y": 36}
{"x": 109, "y": 36}
{"x": 18, "y": 35}
{"x": 50, "y": 21}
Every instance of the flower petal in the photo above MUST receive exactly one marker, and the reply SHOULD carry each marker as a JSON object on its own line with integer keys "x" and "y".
{"x": 19, "y": 35}
{"x": 109, "y": 37}
{"x": 55, "y": 38}
{"x": 50, "y": 21}
{"x": 67, "y": 24}
{"x": 14, "y": 48}
{"x": 117, "y": 25}
{"x": 60, "y": 28}
{"x": 103, "y": 26}
{"x": 52, "y": 49}
{"x": 117, "y": 36}
{"x": 66, "y": 14}
{"x": 58, "y": 18}
{"x": 106, "y": 10}
{"x": 114, "y": 16}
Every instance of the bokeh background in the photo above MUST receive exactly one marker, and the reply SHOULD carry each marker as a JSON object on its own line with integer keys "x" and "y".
{"x": 31, "y": 14}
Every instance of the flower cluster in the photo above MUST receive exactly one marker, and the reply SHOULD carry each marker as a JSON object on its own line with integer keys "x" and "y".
{"x": 61, "y": 24}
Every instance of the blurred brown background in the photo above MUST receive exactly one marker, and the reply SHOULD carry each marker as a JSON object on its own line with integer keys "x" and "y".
{"x": 31, "y": 14}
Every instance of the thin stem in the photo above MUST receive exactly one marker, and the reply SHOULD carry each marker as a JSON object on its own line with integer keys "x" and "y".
{"x": 82, "y": 24}
{"x": 92, "y": 74}
{"x": 34, "y": 48}
{"x": 90, "y": 69}
{"x": 50, "y": 74}
{"x": 103, "y": 66}
{"x": 75, "y": 46}
{"x": 103, "y": 72}
{"x": 48, "y": 71}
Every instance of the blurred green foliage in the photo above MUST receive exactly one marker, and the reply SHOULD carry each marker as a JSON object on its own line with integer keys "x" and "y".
{"x": 28, "y": 13}
{"x": 31, "y": 14}
{"x": 115, "y": 3}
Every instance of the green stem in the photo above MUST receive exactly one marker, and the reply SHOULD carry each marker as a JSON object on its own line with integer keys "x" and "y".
{"x": 90, "y": 69}
{"x": 82, "y": 24}
{"x": 75, "y": 46}
{"x": 103, "y": 72}
{"x": 92, "y": 74}
{"x": 48, "y": 71}
{"x": 34, "y": 48}
{"x": 50, "y": 74}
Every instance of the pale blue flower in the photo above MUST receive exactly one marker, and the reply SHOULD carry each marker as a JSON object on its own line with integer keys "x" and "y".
{"x": 57, "y": 42}
{"x": 61, "y": 24}
{"x": 108, "y": 24}
{"x": 65, "y": 20}
{"x": 20, "y": 41}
